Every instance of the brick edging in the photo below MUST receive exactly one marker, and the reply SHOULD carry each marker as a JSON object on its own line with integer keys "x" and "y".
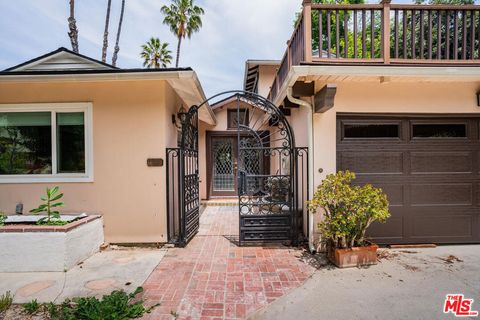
{"x": 34, "y": 228}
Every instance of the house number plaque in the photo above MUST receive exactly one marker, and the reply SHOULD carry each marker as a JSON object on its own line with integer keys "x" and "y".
{"x": 155, "y": 162}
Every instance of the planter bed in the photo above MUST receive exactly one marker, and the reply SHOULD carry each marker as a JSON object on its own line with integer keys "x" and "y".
{"x": 27, "y": 247}
{"x": 353, "y": 257}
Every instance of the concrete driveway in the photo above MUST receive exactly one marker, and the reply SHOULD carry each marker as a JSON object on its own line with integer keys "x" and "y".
{"x": 406, "y": 284}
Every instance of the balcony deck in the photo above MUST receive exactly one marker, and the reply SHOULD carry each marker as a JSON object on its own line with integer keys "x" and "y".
{"x": 382, "y": 34}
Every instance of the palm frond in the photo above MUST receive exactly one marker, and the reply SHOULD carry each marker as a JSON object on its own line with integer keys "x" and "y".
{"x": 155, "y": 54}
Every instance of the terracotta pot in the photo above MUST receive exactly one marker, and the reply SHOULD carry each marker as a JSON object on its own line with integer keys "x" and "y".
{"x": 353, "y": 257}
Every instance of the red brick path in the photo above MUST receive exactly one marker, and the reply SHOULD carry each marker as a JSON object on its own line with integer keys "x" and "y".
{"x": 213, "y": 278}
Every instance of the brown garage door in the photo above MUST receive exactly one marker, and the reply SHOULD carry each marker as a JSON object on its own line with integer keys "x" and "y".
{"x": 428, "y": 166}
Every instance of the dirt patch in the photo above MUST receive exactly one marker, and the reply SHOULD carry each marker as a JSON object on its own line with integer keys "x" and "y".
{"x": 390, "y": 255}
{"x": 386, "y": 255}
{"x": 410, "y": 267}
{"x": 450, "y": 259}
{"x": 408, "y": 251}
{"x": 16, "y": 312}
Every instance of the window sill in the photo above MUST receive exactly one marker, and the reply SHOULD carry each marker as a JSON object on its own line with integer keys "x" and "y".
{"x": 46, "y": 179}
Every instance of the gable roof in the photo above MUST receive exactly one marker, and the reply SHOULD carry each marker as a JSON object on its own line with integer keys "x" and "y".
{"x": 228, "y": 100}
{"x": 67, "y": 66}
{"x": 61, "y": 59}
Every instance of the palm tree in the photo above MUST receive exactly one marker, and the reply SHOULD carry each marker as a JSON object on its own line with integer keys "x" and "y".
{"x": 183, "y": 18}
{"x": 156, "y": 54}
{"x": 72, "y": 25}
{"x": 105, "y": 33}
{"x": 117, "y": 48}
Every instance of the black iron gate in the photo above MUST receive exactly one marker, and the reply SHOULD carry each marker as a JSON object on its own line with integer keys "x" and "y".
{"x": 267, "y": 173}
{"x": 272, "y": 175}
{"x": 183, "y": 203}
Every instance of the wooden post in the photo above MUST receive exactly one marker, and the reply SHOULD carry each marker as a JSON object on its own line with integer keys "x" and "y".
{"x": 386, "y": 31}
{"x": 307, "y": 32}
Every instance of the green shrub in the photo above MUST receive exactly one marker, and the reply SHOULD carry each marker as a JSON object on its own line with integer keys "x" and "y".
{"x": 50, "y": 202}
{"x": 116, "y": 306}
{"x": 6, "y": 301}
{"x": 52, "y": 310}
{"x": 349, "y": 210}
{"x": 3, "y": 218}
{"x": 32, "y": 307}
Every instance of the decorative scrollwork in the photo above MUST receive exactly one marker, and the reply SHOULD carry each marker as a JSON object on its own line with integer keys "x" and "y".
{"x": 190, "y": 130}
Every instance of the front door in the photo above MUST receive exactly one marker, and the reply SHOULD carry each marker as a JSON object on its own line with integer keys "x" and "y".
{"x": 222, "y": 165}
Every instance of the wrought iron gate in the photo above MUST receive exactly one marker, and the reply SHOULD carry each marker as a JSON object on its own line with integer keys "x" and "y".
{"x": 271, "y": 178}
{"x": 267, "y": 172}
{"x": 183, "y": 203}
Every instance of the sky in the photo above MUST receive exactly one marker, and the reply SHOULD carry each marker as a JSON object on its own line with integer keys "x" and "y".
{"x": 233, "y": 31}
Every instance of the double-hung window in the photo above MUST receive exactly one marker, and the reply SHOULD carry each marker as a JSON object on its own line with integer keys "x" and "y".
{"x": 47, "y": 142}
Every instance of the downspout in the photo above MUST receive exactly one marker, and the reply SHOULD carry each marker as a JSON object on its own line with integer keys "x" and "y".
{"x": 309, "y": 106}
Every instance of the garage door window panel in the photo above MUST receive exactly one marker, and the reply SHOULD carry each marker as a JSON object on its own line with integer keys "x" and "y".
{"x": 439, "y": 130}
{"x": 370, "y": 130}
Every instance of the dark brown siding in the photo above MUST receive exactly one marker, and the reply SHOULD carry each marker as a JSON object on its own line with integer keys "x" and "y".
{"x": 430, "y": 171}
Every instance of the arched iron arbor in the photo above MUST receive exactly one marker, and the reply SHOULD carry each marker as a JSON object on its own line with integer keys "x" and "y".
{"x": 268, "y": 180}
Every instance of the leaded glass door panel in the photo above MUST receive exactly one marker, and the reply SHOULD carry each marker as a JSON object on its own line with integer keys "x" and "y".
{"x": 223, "y": 166}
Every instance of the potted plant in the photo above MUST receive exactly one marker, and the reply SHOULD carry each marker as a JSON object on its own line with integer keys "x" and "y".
{"x": 348, "y": 212}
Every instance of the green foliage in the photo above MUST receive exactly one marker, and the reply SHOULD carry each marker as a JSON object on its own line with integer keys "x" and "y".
{"x": 349, "y": 210}
{"x": 184, "y": 19}
{"x": 50, "y": 202}
{"x": 52, "y": 310}
{"x": 6, "y": 301}
{"x": 333, "y": 30}
{"x": 32, "y": 307}
{"x": 3, "y": 218}
{"x": 156, "y": 54}
{"x": 450, "y": 2}
{"x": 116, "y": 306}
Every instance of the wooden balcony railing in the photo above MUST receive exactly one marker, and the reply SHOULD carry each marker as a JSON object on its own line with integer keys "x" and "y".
{"x": 382, "y": 34}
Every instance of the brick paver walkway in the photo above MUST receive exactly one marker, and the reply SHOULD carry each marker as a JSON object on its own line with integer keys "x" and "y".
{"x": 213, "y": 278}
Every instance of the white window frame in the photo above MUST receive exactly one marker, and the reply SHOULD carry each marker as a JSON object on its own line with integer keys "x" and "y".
{"x": 54, "y": 108}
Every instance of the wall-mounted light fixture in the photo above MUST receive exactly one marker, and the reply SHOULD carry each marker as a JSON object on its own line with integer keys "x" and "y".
{"x": 181, "y": 117}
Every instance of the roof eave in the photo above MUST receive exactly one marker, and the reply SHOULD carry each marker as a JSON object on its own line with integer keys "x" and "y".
{"x": 461, "y": 73}
{"x": 169, "y": 75}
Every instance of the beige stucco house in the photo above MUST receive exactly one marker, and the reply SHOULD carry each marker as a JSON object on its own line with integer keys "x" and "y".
{"x": 402, "y": 112}
{"x": 121, "y": 118}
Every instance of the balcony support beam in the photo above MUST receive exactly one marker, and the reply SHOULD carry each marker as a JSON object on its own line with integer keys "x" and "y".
{"x": 325, "y": 98}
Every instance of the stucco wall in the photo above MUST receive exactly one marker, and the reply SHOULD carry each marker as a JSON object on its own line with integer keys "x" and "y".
{"x": 131, "y": 123}
{"x": 265, "y": 79}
